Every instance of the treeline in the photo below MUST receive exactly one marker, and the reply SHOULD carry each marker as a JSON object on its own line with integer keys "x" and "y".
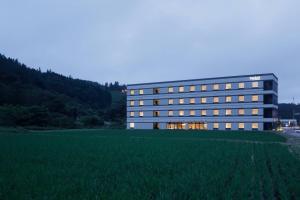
{"x": 289, "y": 111}
{"x": 32, "y": 98}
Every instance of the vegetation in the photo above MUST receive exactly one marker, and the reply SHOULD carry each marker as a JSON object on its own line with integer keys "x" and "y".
{"x": 120, "y": 164}
{"x": 31, "y": 98}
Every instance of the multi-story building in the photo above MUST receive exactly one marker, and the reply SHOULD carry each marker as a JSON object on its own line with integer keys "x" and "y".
{"x": 247, "y": 102}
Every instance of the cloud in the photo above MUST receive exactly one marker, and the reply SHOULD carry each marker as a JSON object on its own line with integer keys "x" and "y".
{"x": 155, "y": 40}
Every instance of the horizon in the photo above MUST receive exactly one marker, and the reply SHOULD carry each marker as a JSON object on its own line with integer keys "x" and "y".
{"x": 152, "y": 41}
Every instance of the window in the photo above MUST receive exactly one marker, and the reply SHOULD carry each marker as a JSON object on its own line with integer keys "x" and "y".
{"x": 241, "y": 125}
{"x": 181, "y": 89}
{"x": 216, "y": 87}
{"x": 203, "y": 100}
{"x": 216, "y": 112}
{"x": 192, "y": 88}
{"x": 241, "y": 85}
{"x": 254, "y": 111}
{"x": 156, "y": 113}
{"x": 192, "y": 100}
{"x": 141, "y": 91}
{"x": 141, "y": 103}
{"x": 131, "y": 92}
{"x": 228, "y": 99}
{"x": 131, "y": 125}
{"x": 156, "y": 90}
{"x": 141, "y": 114}
{"x": 216, "y": 125}
{"x": 131, "y": 114}
{"x": 170, "y": 89}
{"x": 241, "y": 98}
{"x": 228, "y": 112}
{"x": 203, "y": 112}
{"x": 255, "y": 126}
{"x": 181, "y": 112}
{"x": 171, "y": 101}
{"x": 131, "y": 103}
{"x": 255, "y": 98}
{"x": 241, "y": 111}
{"x": 156, "y": 102}
{"x": 170, "y": 113}
{"x": 203, "y": 87}
{"x": 228, "y": 86}
{"x": 192, "y": 112}
{"x": 181, "y": 101}
{"x": 228, "y": 125}
{"x": 255, "y": 84}
{"x": 216, "y": 100}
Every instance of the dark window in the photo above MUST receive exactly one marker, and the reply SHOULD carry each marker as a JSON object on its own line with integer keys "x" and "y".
{"x": 268, "y": 126}
{"x": 270, "y": 99}
{"x": 155, "y": 125}
{"x": 155, "y": 90}
{"x": 155, "y": 113}
{"x": 156, "y": 102}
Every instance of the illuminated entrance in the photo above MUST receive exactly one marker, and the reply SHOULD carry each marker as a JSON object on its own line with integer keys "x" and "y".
{"x": 190, "y": 125}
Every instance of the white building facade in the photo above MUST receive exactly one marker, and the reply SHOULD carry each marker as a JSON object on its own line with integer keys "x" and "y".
{"x": 247, "y": 102}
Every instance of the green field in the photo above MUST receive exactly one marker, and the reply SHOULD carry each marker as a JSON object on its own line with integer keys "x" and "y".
{"x": 120, "y": 164}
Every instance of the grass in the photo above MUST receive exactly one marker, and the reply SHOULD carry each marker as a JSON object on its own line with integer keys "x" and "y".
{"x": 119, "y": 164}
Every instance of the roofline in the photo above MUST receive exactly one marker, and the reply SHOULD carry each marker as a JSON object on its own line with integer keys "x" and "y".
{"x": 201, "y": 79}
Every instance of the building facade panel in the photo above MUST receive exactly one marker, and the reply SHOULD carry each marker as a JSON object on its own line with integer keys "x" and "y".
{"x": 226, "y": 103}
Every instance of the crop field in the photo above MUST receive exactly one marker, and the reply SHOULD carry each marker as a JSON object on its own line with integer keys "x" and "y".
{"x": 121, "y": 164}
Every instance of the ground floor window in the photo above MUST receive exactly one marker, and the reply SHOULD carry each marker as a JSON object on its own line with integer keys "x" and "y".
{"x": 176, "y": 125}
{"x": 155, "y": 125}
{"x": 197, "y": 125}
{"x": 131, "y": 125}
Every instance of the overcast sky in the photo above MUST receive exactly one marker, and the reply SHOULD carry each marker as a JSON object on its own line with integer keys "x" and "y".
{"x": 136, "y": 41}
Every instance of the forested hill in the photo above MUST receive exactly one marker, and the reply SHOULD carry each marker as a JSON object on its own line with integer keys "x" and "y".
{"x": 29, "y": 97}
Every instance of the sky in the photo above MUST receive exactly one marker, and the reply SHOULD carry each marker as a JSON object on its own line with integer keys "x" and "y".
{"x": 137, "y": 41}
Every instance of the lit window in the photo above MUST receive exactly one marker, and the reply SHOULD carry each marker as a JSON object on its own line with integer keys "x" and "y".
{"x": 254, "y": 111}
{"x": 155, "y": 90}
{"x": 216, "y": 99}
{"x": 141, "y": 114}
{"x": 181, "y": 101}
{"x": 203, "y": 112}
{"x": 254, "y": 125}
{"x": 255, "y": 98}
{"x": 228, "y": 112}
{"x": 131, "y": 103}
{"x": 131, "y": 125}
{"x": 228, "y": 125}
{"x": 203, "y": 100}
{"x": 181, "y": 89}
{"x": 192, "y": 112}
{"x": 203, "y": 87}
{"x": 241, "y": 111}
{"x": 192, "y": 100}
{"x": 216, "y": 112}
{"x": 192, "y": 88}
{"x": 241, "y": 125}
{"x": 241, "y": 85}
{"x": 170, "y": 113}
{"x": 241, "y": 98}
{"x": 156, "y": 102}
{"x": 181, "y": 112}
{"x": 255, "y": 84}
{"x": 228, "y": 98}
{"x": 171, "y": 101}
{"x": 170, "y": 89}
{"x": 228, "y": 86}
{"x": 141, "y": 91}
{"x": 216, "y": 86}
{"x": 156, "y": 113}
{"x": 141, "y": 103}
{"x": 216, "y": 125}
{"x": 131, "y": 114}
{"x": 131, "y": 92}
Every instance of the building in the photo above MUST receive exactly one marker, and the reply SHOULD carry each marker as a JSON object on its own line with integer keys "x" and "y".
{"x": 288, "y": 122}
{"x": 247, "y": 102}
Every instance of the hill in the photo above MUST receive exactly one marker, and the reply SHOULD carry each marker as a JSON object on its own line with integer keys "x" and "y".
{"x": 30, "y": 97}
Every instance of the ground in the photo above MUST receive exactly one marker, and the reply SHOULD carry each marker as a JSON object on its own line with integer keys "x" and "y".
{"x": 121, "y": 164}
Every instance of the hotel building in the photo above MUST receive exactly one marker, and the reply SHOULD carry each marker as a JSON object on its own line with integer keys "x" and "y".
{"x": 247, "y": 102}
